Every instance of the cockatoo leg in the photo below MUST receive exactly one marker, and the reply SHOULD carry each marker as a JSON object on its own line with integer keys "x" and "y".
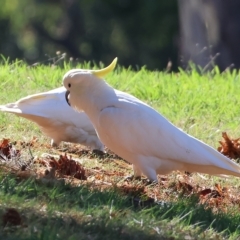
{"x": 151, "y": 174}
{"x": 136, "y": 174}
{"x": 141, "y": 167}
{"x": 54, "y": 143}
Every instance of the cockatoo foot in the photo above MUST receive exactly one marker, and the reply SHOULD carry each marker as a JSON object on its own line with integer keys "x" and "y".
{"x": 98, "y": 153}
{"x": 54, "y": 144}
{"x": 147, "y": 182}
{"x": 132, "y": 178}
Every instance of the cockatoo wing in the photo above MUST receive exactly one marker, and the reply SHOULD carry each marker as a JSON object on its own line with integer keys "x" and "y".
{"x": 140, "y": 130}
{"x": 37, "y": 104}
{"x": 56, "y": 118}
{"x": 50, "y": 105}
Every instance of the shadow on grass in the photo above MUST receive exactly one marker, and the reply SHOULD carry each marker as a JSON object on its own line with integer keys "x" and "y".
{"x": 50, "y": 226}
{"x": 60, "y": 211}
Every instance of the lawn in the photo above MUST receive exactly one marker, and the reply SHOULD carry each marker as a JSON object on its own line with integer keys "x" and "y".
{"x": 105, "y": 206}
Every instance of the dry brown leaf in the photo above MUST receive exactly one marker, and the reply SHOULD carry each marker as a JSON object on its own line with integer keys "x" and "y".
{"x": 205, "y": 192}
{"x": 11, "y": 217}
{"x": 184, "y": 186}
{"x": 229, "y": 147}
{"x": 134, "y": 190}
{"x": 7, "y": 150}
{"x": 68, "y": 166}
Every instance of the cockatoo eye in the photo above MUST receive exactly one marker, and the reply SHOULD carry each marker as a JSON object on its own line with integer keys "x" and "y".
{"x": 69, "y": 85}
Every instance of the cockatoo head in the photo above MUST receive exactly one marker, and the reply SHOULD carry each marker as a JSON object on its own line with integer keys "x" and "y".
{"x": 76, "y": 80}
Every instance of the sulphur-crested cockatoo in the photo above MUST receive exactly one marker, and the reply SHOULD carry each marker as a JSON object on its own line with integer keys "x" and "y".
{"x": 56, "y": 118}
{"x": 137, "y": 132}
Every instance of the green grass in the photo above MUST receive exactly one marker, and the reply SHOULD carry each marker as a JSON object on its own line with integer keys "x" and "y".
{"x": 202, "y": 105}
{"x": 59, "y": 211}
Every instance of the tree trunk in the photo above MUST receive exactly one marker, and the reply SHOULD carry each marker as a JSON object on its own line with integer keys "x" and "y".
{"x": 209, "y": 33}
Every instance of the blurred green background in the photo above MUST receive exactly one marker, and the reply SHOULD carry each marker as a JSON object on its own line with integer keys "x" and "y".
{"x": 139, "y": 32}
{"x": 158, "y": 34}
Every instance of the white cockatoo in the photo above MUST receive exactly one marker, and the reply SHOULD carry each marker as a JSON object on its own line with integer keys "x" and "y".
{"x": 56, "y": 118}
{"x": 138, "y": 133}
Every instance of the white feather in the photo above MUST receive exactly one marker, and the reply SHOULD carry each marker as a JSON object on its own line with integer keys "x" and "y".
{"x": 56, "y": 118}
{"x": 139, "y": 134}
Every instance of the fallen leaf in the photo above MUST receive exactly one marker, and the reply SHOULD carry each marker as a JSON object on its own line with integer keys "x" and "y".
{"x": 229, "y": 147}
{"x": 11, "y": 217}
{"x": 7, "y": 150}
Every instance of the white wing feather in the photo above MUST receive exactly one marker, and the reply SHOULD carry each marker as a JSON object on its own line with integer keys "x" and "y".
{"x": 143, "y": 134}
{"x": 56, "y": 118}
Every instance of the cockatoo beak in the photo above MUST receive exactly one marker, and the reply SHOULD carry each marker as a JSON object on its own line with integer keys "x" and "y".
{"x": 102, "y": 72}
{"x": 67, "y": 97}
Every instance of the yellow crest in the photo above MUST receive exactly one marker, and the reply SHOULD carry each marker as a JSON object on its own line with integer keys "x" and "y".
{"x": 102, "y": 72}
